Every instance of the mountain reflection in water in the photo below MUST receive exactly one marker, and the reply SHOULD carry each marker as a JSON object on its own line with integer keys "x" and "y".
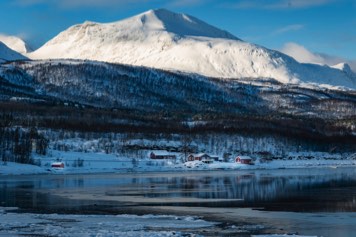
{"x": 308, "y": 190}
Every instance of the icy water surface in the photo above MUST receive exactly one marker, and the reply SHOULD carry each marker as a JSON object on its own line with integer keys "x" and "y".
{"x": 309, "y": 201}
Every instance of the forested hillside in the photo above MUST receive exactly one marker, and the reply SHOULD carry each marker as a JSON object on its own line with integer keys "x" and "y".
{"x": 91, "y": 97}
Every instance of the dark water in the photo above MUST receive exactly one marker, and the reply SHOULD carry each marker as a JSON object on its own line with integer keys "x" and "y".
{"x": 297, "y": 190}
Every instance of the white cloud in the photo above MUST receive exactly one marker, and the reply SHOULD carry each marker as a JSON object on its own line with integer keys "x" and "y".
{"x": 303, "y": 55}
{"x": 288, "y": 28}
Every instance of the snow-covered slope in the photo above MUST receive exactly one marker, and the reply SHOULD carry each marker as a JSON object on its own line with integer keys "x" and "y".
{"x": 345, "y": 68}
{"x": 167, "y": 40}
{"x": 9, "y": 54}
{"x": 15, "y": 43}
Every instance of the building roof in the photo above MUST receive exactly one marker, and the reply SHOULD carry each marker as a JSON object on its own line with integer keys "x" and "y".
{"x": 57, "y": 163}
{"x": 200, "y": 155}
{"x": 161, "y": 153}
{"x": 244, "y": 157}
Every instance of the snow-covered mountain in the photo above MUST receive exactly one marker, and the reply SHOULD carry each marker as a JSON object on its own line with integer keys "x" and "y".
{"x": 171, "y": 41}
{"x": 9, "y": 54}
{"x": 15, "y": 43}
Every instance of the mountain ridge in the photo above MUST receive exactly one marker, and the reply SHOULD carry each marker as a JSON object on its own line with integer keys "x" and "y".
{"x": 15, "y": 43}
{"x": 7, "y": 54}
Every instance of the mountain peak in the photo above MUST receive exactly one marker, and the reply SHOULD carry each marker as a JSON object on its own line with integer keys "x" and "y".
{"x": 174, "y": 41}
{"x": 182, "y": 24}
{"x": 15, "y": 43}
{"x": 345, "y": 68}
{"x": 85, "y": 23}
{"x": 8, "y": 54}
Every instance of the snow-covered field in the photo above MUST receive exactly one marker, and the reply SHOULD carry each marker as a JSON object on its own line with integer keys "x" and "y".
{"x": 29, "y": 224}
{"x": 80, "y": 162}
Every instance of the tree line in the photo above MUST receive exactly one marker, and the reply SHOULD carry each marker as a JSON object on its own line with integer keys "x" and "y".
{"x": 17, "y": 144}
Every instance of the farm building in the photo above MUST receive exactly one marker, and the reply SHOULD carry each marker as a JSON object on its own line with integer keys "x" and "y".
{"x": 216, "y": 158}
{"x": 244, "y": 160}
{"x": 161, "y": 155}
{"x": 203, "y": 157}
{"x": 57, "y": 165}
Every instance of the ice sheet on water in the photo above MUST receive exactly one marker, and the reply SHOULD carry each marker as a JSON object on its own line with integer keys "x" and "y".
{"x": 17, "y": 224}
{"x": 285, "y": 235}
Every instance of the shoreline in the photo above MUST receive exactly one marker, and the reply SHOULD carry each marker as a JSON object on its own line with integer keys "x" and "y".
{"x": 85, "y": 163}
{"x": 15, "y": 169}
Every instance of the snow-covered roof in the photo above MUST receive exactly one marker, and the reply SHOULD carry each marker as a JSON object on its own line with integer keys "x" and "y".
{"x": 244, "y": 157}
{"x": 57, "y": 163}
{"x": 200, "y": 154}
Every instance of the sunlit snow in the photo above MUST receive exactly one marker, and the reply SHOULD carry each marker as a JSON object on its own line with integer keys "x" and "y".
{"x": 171, "y": 41}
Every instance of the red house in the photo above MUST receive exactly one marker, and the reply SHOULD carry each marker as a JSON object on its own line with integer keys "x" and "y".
{"x": 161, "y": 155}
{"x": 244, "y": 160}
{"x": 57, "y": 165}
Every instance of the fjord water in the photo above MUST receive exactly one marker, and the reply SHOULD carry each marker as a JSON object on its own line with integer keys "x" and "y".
{"x": 265, "y": 194}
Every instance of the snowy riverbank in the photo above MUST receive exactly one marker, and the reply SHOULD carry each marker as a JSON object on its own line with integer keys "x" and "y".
{"x": 78, "y": 162}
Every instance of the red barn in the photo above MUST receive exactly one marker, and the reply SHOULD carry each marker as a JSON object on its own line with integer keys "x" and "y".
{"x": 57, "y": 165}
{"x": 244, "y": 160}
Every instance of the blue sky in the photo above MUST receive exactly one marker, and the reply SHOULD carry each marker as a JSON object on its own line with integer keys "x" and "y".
{"x": 322, "y": 26}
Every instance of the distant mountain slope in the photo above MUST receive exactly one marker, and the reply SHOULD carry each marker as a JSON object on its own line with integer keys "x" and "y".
{"x": 15, "y": 43}
{"x": 9, "y": 54}
{"x": 106, "y": 85}
{"x": 171, "y": 41}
